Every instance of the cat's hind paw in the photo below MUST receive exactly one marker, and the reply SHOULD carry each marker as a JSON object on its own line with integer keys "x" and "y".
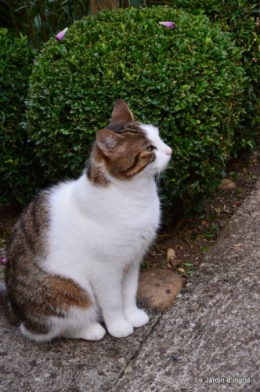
{"x": 136, "y": 317}
{"x": 94, "y": 331}
{"x": 121, "y": 329}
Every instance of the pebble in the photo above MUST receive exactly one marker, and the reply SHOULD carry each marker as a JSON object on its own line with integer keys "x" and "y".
{"x": 122, "y": 361}
{"x": 128, "y": 370}
{"x": 171, "y": 258}
{"x": 227, "y": 184}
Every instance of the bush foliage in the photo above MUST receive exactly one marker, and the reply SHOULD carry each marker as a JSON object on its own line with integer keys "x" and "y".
{"x": 189, "y": 81}
{"x": 17, "y": 159}
{"x": 242, "y": 19}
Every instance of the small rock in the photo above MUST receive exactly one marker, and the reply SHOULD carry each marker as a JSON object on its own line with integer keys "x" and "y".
{"x": 122, "y": 361}
{"x": 158, "y": 288}
{"x": 153, "y": 253}
{"x": 171, "y": 258}
{"x": 128, "y": 370}
{"x": 227, "y": 184}
{"x": 179, "y": 247}
{"x": 170, "y": 254}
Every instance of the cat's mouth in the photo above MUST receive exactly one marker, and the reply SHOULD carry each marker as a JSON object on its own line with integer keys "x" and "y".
{"x": 166, "y": 162}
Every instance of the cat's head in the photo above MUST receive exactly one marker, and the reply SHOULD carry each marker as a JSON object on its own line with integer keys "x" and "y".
{"x": 126, "y": 148}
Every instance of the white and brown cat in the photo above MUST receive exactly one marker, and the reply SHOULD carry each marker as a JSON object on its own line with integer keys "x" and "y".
{"x": 74, "y": 257}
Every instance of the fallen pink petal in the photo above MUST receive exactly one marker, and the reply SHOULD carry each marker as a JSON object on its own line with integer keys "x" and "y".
{"x": 3, "y": 260}
{"x": 61, "y": 34}
{"x": 169, "y": 25}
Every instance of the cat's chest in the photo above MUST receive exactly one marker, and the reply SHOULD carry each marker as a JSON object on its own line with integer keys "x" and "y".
{"x": 137, "y": 209}
{"x": 106, "y": 223}
{"x": 124, "y": 217}
{"x": 129, "y": 207}
{"x": 119, "y": 233}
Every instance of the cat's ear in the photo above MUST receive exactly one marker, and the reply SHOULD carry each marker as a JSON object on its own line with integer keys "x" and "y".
{"x": 121, "y": 112}
{"x": 108, "y": 141}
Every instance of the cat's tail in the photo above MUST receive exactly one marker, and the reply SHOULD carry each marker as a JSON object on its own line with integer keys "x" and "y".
{"x": 5, "y": 305}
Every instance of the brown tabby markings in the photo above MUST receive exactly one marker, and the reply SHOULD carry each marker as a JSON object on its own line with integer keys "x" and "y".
{"x": 94, "y": 172}
{"x": 129, "y": 158}
{"x": 35, "y": 294}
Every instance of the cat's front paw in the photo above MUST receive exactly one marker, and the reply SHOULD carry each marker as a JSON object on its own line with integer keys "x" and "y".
{"x": 121, "y": 329}
{"x": 136, "y": 317}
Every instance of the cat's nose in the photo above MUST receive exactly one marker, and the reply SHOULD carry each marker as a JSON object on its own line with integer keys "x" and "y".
{"x": 168, "y": 151}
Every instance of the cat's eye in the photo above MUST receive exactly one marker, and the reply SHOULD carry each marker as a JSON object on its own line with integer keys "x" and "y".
{"x": 150, "y": 148}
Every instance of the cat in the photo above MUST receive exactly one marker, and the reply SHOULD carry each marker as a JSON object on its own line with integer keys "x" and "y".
{"x": 73, "y": 259}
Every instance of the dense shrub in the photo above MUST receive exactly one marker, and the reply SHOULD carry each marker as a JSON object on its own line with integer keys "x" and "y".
{"x": 242, "y": 19}
{"x": 17, "y": 166}
{"x": 187, "y": 80}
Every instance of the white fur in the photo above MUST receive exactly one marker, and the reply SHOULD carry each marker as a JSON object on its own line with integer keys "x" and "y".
{"x": 98, "y": 237}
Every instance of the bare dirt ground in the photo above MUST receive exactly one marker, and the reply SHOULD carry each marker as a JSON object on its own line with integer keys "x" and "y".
{"x": 189, "y": 238}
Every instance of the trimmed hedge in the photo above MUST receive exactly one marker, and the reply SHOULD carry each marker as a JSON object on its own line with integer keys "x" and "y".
{"x": 18, "y": 169}
{"x": 242, "y": 19}
{"x": 189, "y": 81}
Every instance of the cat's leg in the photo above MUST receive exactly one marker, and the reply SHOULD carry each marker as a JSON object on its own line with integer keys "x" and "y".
{"x": 109, "y": 297}
{"x": 82, "y": 324}
{"x": 43, "y": 336}
{"x": 137, "y": 317}
{"x": 94, "y": 331}
{"x": 77, "y": 324}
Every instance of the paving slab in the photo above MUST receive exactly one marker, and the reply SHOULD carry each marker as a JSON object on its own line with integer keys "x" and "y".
{"x": 209, "y": 340}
